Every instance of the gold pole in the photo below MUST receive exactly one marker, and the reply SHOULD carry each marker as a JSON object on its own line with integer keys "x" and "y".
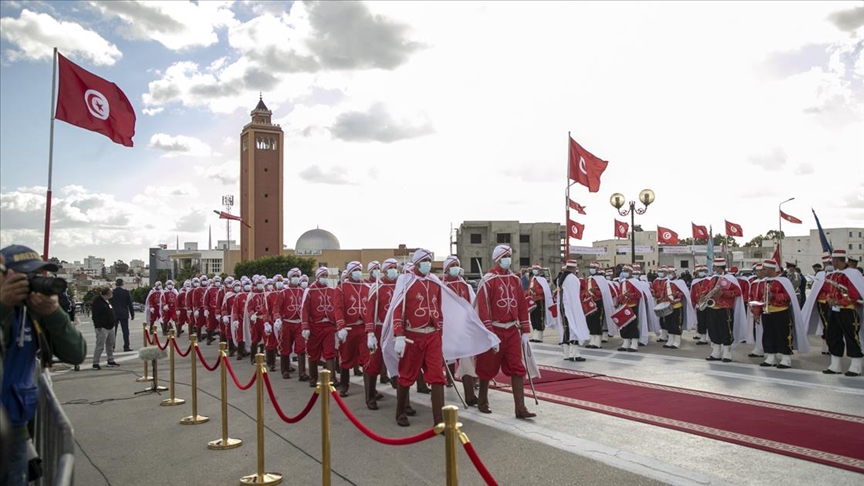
{"x": 261, "y": 477}
{"x": 324, "y": 391}
{"x": 146, "y": 376}
{"x": 225, "y": 442}
{"x": 194, "y": 419}
{"x": 451, "y": 432}
{"x": 169, "y": 402}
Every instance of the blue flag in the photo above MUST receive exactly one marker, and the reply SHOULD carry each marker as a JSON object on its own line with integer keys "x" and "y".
{"x": 710, "y": 251}
{"x": 826, "y": 245}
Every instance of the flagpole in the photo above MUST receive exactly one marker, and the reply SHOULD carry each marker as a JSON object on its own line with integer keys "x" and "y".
{"x": 780, "y": 228}
{"x": 566, "y": 252}
{"x": 50, "y": 159}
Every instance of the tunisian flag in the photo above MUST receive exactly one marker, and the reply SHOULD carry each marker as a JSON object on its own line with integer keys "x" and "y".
{"x": 585, "y": 168}
{"x": 92, "y": 103}
{"x": 733, "y": 229}
{"x": 575, "y": 229}
{"x": 790, "y": 218}
{"x": 577, "y": 207}
{"x": 224, "y": 215}
{"x": 666, "y": 236}
{"x": 699, "y": 232}
{"x": 621, "y": 229}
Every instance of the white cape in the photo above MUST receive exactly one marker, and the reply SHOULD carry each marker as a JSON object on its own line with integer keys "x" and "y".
{"x": 464, "y": 334}
{"x": 800, "y": 342}
{"x": 740, "y": 329}
{"x": 551, "y": 321}
{"x": 810, "y": 311}
{"x": 648, "y": 320}
{"x": 572, "y": 305}
{"x": 608, "y": 303}
{"x": 687, "y": 308}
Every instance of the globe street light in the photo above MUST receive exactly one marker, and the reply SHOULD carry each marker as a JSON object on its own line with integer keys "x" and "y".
{"x": 646, "y": 197}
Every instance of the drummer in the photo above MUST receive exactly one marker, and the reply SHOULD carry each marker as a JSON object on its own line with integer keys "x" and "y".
{"x": 676, "y": 313}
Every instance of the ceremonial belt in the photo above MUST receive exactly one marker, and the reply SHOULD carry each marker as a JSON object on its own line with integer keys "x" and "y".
{"x": 293, "y": 321}
{"x": 326, "y": 320}
{"x": 422, "y": 330}
{"x": 822, "y": 301}
{"x": 505, "y": 325}
{"x": 677, "y": 305}
{"x": 358, "y": 323}
{"x": 774, "y": 308}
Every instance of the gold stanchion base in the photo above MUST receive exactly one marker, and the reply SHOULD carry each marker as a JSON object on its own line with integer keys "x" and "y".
{"x": 155, "y": 389}
{"x": 144, "y": 378}
{"x": 220, "y": 445}
{"x": 267, "y": 479}
{"x": 194, "y": 420}
{"x": 170, "y": 402}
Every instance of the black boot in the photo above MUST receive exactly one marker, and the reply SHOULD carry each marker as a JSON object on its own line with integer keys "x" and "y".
{"x": 483, "y": 399}
{"x": 468, "y": 387}
{"x": 369, "y": 388}
{"x": 437, "y": 404}
{"x": 283, "y": 367}
{"x": 345, "y": 382}
{"x": 401, "y": 404}
{"x": 301, "y": 365}
{"x": 422, "y": 387}
{"x": 270, "y": 358}
{"x": 313, "y": 373}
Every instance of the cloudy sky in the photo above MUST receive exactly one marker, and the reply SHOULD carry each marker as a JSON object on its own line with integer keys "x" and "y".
{"x": 402, "y": 118}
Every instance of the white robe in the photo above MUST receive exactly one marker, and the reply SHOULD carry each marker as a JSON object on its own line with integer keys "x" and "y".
{"x": 572, "y": 305}
{"x": 799, "y": 341}
{"x": 608, "y": 302}
{"x": 687, "y": 307}
{"x": 644, "y": 313}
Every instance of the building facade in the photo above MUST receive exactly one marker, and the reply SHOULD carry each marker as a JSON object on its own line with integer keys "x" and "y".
{"x": 261, "y": 185}
{"x": 531, "y": 243}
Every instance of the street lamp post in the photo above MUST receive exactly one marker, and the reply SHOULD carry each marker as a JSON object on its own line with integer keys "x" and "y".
{"x": 646, "y": 197}
{"x": 780, "y": 229}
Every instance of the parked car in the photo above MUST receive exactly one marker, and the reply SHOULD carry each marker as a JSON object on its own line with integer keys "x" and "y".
{"x": 138, "y": 307}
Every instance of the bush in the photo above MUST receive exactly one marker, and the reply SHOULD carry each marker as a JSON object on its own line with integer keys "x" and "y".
{"x": 271, "y": 265}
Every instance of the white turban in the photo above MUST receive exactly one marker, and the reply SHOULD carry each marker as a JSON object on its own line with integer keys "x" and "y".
{"x": 389, "y": 263}
{"x": 353, "y": 266}
{"x": 373, "y": 265}
{"x": 294, "y": 272}
{"x": 501, "y": 251}
{"x": 321, "y": 272}
{"x": 421, "y": 254}
{"x": 451, "y": 261}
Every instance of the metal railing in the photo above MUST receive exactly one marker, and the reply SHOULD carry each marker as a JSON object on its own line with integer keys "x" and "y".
{"x": 53, "y": 436}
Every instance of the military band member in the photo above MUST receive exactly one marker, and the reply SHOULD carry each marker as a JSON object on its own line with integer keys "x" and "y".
{"x": 321, "y": 314}
{"x": 756, "y": 290}
{"x": 698, "y": 288}
{"x": 844, "y": 321}
{"x": 380, "y": 296}
{"x": 782, "y": 325}
{"x": 535, "y": 293}
{"x": 724, "y": 311}
{"x": 289, "y": 328}
{"x": 573, "y": 301}
{"x": 816, "y": 309}
{"x": 354, "y": 295}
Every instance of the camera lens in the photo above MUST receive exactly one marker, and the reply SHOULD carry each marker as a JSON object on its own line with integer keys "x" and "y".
{"x": 47, "y": 285}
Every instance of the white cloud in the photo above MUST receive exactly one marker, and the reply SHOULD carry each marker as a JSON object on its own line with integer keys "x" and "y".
{"x": 175, "y": 25}
{"x": 334, "y": 175}
{"x": 227, "y": 173}
{"x": 176, "y": 145}
{"x": 153, "y": 111}
{"x": 35, "y": 35}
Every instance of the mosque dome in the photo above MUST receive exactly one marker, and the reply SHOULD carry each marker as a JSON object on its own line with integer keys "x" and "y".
{"x": 316, "y": 240}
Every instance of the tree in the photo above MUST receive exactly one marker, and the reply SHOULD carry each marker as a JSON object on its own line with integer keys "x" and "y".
{"x": 163, "y": 275}
{"x": 725, "y": 240}
{"x": 272, "y": 265}
{"x": 755, "y": 242}
{"x": 188, "y": 271}
{"x": 139, "y": 295}
{"x": 772, "y": 235}
{"x": 121, "y": 267}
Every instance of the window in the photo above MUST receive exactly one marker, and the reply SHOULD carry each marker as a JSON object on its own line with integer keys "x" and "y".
{"x": 757, "y": 254}
{"x": 245, "y": 144}
{"x": 476, "y": 264}
{"x": 524, "y": 238}
{"x": 859, "y": 246}
{"x": 850, "y": 246}
{"x": 266, "y": 220}
{"x": 850, "y": 234}
{"x": 685, "y": 264}
{"x": 265, "y": 194}
{"x": 266, "y": 249}
{"x": 476, "y": 238}
{"x": 503, "y": 237}
{"x": 524, "y": 262}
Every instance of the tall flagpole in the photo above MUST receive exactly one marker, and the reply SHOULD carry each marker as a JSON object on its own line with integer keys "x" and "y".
{"x": 50, "y": 160}
{"x": 566, "y": 255}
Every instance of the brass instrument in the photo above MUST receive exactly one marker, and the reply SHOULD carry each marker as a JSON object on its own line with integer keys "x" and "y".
{"x": 707, "y": 300}
{"x": 767, "y": 296}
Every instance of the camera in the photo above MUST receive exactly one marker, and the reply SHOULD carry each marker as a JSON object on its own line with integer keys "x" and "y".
{"x": 46, "y": 285}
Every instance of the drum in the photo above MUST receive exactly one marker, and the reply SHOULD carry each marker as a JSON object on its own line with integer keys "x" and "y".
{"x": 663, "y": 309}
{"x": 623, "y": 316}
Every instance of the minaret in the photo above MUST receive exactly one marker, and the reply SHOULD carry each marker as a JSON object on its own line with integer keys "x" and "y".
{"x": 261, "y": 185}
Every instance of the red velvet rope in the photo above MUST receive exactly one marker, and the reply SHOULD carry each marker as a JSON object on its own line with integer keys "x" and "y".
{"x": 181, "y": 353}
{"x": 236, "y": 381}
{"x": 204, "y": 362}
{"x": 478, "y": 464}
{"x": 428, "y": 434}
{"x": 147, "y": 336}
{"x": 291, "y": 420}
{"x": 160, "y": 346}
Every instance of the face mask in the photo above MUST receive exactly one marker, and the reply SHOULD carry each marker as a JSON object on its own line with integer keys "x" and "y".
{"x": 323, "y": 281}
{"x": 425, "y": 267}
{"x": 505, "y": 263}
{"x": 170, "y": 287}
{"x": 355, "y": 275}
{"x": 376, "y": 273}
{"x": 237, "y": 288}
{"x": 303, "y": 285}
{"x": 701, "y": 274}
{"x": 535, "y": 272}
{"x": 269, "y": 287}
{"x": 661, "y": 274}
{"x": 391, "y": 273}
{"x": 279, "y": 285}
{"x": 624, "y": 275}
{"x": 829, "y": 268}
{"x": 260, "y": 286}
{"x": 218, "y": 284}
{"x": 247, "y": 287}
{"x": 295, "y": 280}
{"x": 592, "y": 271}
{"x": 454, "y": 271}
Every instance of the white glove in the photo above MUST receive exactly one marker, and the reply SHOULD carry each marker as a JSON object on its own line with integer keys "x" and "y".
{"x": 253, "y": 318}
{"x": 152, "y": 310}
{"x": 165, "y": 307}
{"x": 278, "y": 326}
{"x": 234, "y": 326}
{"x": 524, "y": 338}
{"x": 268, "y": 329}
{"x": 218, "y": 317}
{"x": 196, "y": 314}
{"x": 371, "y": 342}
{"x": 188, "y": 314}
{"x": 342, "y": 335}
{"x": 206, "y": 313}
{"x": 305, "y": 333}
{"x": 225, "y": 319}
{"x": 399, "y": 346}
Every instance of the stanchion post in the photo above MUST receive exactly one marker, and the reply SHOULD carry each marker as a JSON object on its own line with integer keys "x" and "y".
{"x": 225, "y": 442}
{"x": 261, "y": 477}
{"x": 451, "y": 434}
{"x": 194, "y": 419}
{"x": 146, "y": 376}
{"x": 324, "y": 391}
{"x": 170, "y": 402}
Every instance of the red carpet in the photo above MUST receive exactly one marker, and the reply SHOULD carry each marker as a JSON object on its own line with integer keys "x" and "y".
{"x": 829, "y": 438}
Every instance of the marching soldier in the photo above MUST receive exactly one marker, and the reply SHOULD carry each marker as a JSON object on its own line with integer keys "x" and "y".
{"x": 675, "y": 294}
{"x": 467, "y": 366}
{"x": 574, "y": 302}
{"x": 288, "y": 329}
{"x": 698, "y": 288}
{"x": 781, "y": 319}
{"x": 380, "y": 295}
{"x": 168, "y": 303}
{"x": 353, "y": 295}
{"x": 535, "y": 293}
{"x": 724, "y": 311}
{"x": 844, "y": 321}
{"x": 152, "y": 307}
{"x": 321, "y": 315}
{"x": 600, "y": 291}
{"x": 756, "y": 291}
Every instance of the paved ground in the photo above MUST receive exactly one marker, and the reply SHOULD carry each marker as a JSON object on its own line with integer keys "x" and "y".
{"x": 129, "y": 439}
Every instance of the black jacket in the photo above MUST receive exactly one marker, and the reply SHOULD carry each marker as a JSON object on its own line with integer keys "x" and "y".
{"x": 103, "y": 314}
{"x": 122, "y": 304}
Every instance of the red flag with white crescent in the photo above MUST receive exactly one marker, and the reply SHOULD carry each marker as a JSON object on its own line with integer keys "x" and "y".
{"x": 699, "y": 232}
{"x": 666, "y": 236}
{"x": 734, "y": 230}
{"x": 575, "y": 229}
{"x": 789, "y": 217}
{"x": 224, "y": 215}
{"x": 585, "y": 167}
{"x": 621, "y": 229}
{"x": 577, "y": 207}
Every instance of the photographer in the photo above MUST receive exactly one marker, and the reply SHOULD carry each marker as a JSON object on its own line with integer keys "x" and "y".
{"x": 31, "y": 322}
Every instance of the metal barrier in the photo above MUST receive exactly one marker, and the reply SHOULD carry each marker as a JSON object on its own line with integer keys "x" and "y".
{"x": 53, "y": 436}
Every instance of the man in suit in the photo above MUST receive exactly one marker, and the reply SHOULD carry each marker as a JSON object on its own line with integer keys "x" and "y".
{"x": 123, "y": 310}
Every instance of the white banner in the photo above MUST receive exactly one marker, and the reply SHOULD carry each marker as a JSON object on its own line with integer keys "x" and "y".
{"x": 640, "y": 250}
{"x": 587, "y": 250}
{"x": 677, "y": 249}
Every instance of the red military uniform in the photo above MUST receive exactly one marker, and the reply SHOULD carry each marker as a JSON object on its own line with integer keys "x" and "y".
{"x": 629, "y": 294}
{"x": 181, "y": 309}
{"x": 321, "y": 314}
{"x": 671, "y": 294}
{"x": 153, "y": 303}
{"x": 256, "y": 313}
{"x": 377, "y": 306}
{"x": 198, "y": 308}
{"x": 460, "y": 287}
{"x": 238, "y": 308}
{"x": 290, "y": 336}
{"x": 213, "y": 305}
{"x": 274, "y": 311}
{"x": 502, "y": 307}
{"x": 354, "y": 297}
{"x": 168, "y": 307}
{"x": 587, "y": 299}
{"x": 418, "y": 317}
{"x": 725, "y": 297}
{"x": 745, "y": 287}
{"x": 756, "y": 294}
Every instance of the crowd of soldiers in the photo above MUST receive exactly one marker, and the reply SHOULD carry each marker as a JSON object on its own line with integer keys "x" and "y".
{"x": 401, "y": 320}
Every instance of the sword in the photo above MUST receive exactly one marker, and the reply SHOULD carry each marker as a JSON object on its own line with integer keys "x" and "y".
{"x": 530, "y": 380}
{"x": 455, "y": 388}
